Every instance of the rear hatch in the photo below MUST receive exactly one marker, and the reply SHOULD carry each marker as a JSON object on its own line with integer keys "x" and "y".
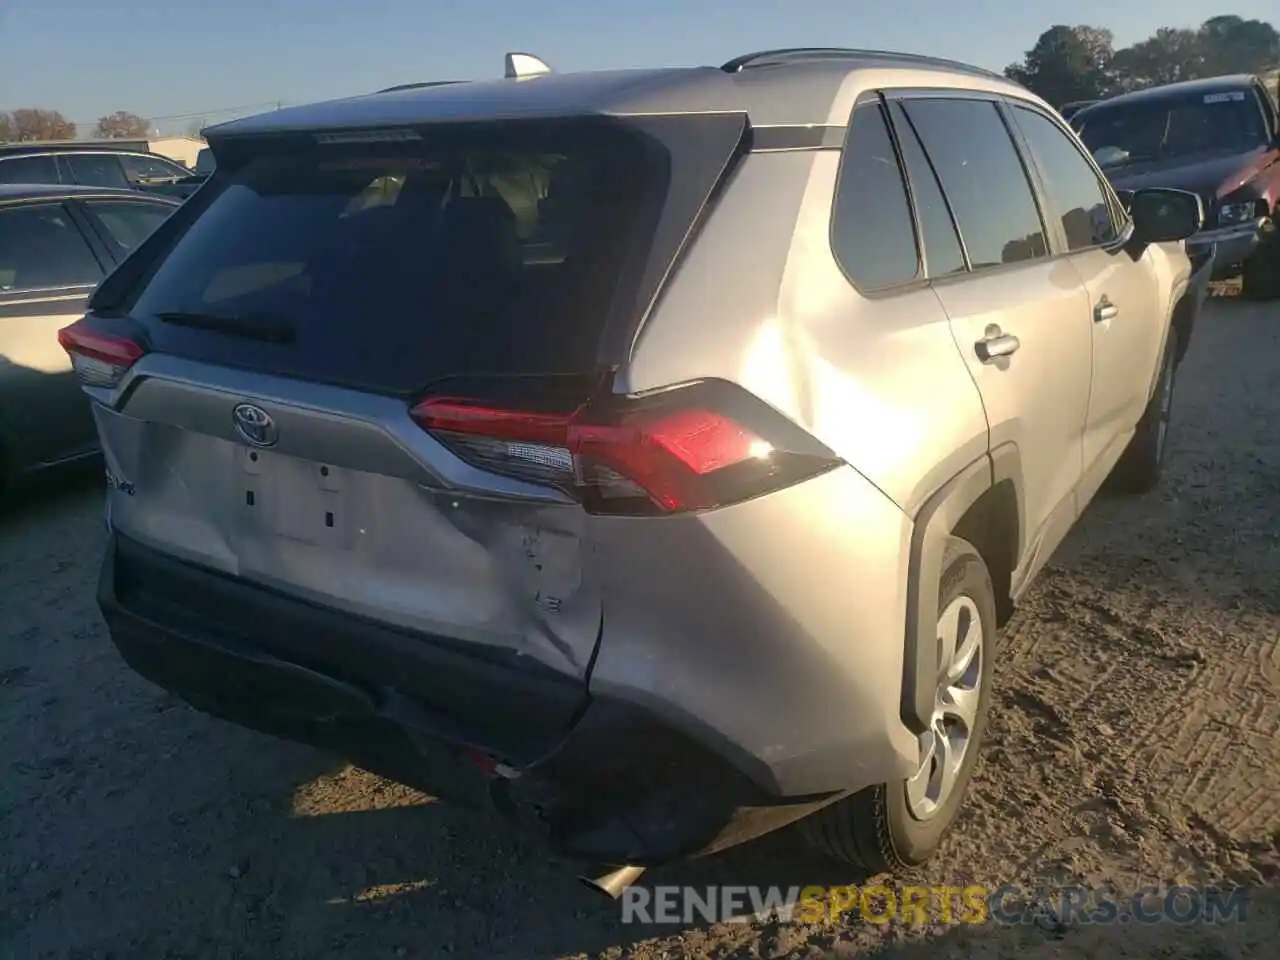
{"x": 293, "y": 313}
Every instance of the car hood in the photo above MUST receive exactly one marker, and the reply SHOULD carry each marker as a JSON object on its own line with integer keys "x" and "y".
{"x": 1212, "y": 176}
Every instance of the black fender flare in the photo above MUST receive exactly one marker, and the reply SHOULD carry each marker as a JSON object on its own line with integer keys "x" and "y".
{"x": 933, "y": 524}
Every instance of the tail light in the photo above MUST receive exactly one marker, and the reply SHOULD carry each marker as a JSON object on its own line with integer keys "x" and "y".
{"x": 696, "y": 447}
{"x": 99, "y": 360}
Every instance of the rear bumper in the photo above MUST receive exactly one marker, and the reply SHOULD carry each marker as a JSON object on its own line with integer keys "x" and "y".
{"x": 597, "y": 777}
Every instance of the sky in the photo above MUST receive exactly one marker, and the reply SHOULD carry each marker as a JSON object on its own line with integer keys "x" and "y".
{"x": 179, "y": 61}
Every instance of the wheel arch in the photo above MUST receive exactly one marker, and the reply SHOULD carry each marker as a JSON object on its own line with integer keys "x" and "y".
{"x": 982, "y": 504}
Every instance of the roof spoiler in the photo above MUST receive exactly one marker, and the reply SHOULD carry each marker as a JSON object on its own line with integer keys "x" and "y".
{"x": 525, "y": 65}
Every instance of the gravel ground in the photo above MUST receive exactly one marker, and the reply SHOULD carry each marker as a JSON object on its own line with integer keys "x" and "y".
{"x": 1135, "y": 740}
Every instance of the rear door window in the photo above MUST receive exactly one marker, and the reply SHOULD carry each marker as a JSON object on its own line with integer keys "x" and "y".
{"x": 386, "y": 266}
{"x": 96, "y": 169}
{"x": 984, "y": 179}
{"x": 872, "y": 232}
{"x": 41, "y": 169}
{"x": 126, "y": 223}
{"x": 41, "y": 247}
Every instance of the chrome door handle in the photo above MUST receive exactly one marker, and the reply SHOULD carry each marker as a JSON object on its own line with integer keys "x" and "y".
{"x": 996, "y": 344}
{"x": 1105, "y": 310}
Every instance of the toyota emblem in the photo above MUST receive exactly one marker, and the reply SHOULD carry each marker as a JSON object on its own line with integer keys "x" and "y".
{"x": 255, "y": 425}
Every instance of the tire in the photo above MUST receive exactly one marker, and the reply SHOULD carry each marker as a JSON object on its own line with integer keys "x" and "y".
{"x": 1261, "y": 275}
{"x": 1142, "y": 463}
{"x": 879, "y": 829}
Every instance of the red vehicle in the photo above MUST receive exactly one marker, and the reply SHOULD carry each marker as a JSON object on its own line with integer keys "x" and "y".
{"x": 1219, "y": 138}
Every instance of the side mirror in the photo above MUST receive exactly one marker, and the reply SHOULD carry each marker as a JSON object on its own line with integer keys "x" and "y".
{"x": 1162, "y": 215}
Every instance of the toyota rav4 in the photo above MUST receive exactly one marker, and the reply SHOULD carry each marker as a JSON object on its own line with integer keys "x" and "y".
{"x": 653, "y": 454}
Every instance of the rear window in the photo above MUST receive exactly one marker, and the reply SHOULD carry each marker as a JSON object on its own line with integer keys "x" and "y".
{"x": 387, "y": 266}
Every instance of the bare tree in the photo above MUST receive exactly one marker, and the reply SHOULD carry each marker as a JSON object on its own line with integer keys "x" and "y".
{"x": 33, "y": 123}
{"x": 6, "y": 127}
{"x": 121, "y": 125}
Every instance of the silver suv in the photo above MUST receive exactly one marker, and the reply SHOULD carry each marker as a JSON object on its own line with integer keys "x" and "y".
{"x": 655, "y": 454}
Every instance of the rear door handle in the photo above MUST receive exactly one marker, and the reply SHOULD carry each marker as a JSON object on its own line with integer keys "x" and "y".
{"x": 995, "y": 344}
{"x": 1105, "y": 310}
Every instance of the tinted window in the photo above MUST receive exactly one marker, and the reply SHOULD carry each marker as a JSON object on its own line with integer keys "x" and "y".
{"x": 1123, "y": 133}
{"x": 1070, "y": 182}
{"x": 204, "y": 161}
{"x": 28, "y": 170}
{"x": 942, "y": 253}
{"x": 137, "y": 167}
{"x": 41, "y": 247}
{"x": 872, "y": 233}
{"x": 983, "y": 176}
{"x": 127, "y": 223}
{"x": 494, "y": 251}
{"x": 96, "y": 169}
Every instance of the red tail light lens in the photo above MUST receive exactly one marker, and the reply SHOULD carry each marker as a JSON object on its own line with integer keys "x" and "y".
{"x": 693, "y": 448}
{"x": 98, "y": 359}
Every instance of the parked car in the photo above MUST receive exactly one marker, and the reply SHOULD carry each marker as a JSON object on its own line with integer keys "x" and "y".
{"x": 56, "y": 244}
{"x": 430, "y": 445}
{"x": 1218, "y": 137}
{"x": 122, "y": 164}
{"x": 1069, "y": 110}
{"x": 202, "y": 171}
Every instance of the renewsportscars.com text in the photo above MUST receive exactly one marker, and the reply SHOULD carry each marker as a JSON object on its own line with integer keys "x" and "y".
{"x": 1008, "y": 904}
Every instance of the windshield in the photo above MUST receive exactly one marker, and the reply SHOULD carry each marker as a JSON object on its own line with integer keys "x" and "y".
{"x": 1160, "y": 129}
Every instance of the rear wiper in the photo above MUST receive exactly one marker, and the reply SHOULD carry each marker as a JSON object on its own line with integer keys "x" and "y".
{"x": 252, "y": 327}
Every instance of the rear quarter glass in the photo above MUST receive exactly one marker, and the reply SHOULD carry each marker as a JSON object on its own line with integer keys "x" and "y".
{"x": 388, "y": 266}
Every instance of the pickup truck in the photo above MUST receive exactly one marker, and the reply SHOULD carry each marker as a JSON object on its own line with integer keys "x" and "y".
{"x": 1218, "y": 137}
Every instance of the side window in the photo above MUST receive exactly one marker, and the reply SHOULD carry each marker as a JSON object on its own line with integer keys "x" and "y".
{"x": 125, "y": 222}
{"x": 1069, "y": 181}
{"x": 96, "y": 169}
{"x": 41, "y": 247}
{"x": 942, "y": 252}
{"x": 1269, "y": 107}
{"x": 872, "y": 234}
{"x": 28, "y": 170}
{"x": 983, "y": 178}
{"x": 138, "y": 167}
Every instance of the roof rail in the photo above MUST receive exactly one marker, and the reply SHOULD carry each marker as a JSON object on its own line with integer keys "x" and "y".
{"x": 800, "y": 54}
{"x": 419, "y": 85}
{"x": 525, "y": 65}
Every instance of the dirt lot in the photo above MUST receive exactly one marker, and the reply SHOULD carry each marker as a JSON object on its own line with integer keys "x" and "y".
{"x": 1135, "y": 740}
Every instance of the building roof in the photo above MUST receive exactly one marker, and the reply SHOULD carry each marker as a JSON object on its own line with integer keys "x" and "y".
{"x": 45, "y": 146}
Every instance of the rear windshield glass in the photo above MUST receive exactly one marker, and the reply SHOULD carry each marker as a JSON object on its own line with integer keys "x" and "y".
{"x": 390, "y": 265}
{"x": 1170, "y": 128}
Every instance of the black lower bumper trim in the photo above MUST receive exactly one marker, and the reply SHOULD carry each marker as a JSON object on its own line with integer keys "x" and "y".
{"x": 597, "y": 778}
